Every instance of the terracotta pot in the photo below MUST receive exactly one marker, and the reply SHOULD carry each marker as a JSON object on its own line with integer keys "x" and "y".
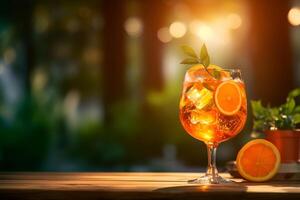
{"x": 287, "y": 142}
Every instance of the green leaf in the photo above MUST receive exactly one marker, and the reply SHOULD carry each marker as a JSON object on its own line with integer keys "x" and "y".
{"x": 294, "y": 93}
{"x": 204, "y": 57}
{"x": 216, "y": 73}
{"x": 289, "y": 106}
{"x": 190, "y": 61}
{"x": 275, "y": 115}
{"x": 259, "y": 125}
{"x": 296, "y": 119}
{"x": 285, "y": 122}
{"x": 297, "y": 109}
{"x": 258, "y": 110}
{"x": 274, "y": 111}
{"x": 189, "y": 51}
{"x": 255, "y": 108}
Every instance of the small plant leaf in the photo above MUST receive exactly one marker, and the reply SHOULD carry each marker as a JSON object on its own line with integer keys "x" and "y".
{"x": 274, "y": 113}
{"x": 296, "y": 118}
{"x": 294, "y": 93}
{"x": 297, "y": 109}
{"x": 259, "y": 111}
{"x": 289, "y": 106}
{"x": 204, "y": 57}
{"x": 190, "y": 61}
{"x": 258, "y": 125}
{"x": 189, "y": 51}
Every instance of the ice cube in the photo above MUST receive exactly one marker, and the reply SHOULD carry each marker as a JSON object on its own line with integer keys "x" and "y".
{"x": 200, "y": 97}
{"x": 202, "y": 117}
{"x": 195, "y": 73}
{"x": 193, "y": 93}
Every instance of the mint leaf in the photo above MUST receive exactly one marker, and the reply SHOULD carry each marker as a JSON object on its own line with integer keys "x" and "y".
{"x": 204, "y": 57}
{"x": 189, "y": 51}
{"x": 216, "y": 73}
{"x": 190, "y": 61}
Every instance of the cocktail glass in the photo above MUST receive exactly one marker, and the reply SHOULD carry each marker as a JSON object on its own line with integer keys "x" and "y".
{"x": 213, "y": 110}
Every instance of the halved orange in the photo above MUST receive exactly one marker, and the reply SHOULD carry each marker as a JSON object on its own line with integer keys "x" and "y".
{"x": 228, "y": 97}
{"x": 258, "y": 160}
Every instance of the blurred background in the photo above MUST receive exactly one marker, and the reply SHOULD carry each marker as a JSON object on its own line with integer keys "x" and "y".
{"x": 90, "y": 85}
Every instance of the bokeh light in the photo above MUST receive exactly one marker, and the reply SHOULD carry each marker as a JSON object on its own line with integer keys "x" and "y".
{"x": 39, "y": 80}
{"x": 202, "y": 30}
{"x": 133, "y": 26}
{"x": 73, "y": 25}
{"x": 9, "y": 56}
{"x": 92, "y": 55}
{"x": 234, "y": 21}
{"x": 294, "y": 16}
{"x": 164, "y": 35}
{"x": 177, "y": 29}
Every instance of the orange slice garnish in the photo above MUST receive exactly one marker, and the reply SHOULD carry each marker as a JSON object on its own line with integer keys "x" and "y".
{"x": 211, "y": 66}
{"x": 228, "y": 97}
{"x": 258, "y": 160}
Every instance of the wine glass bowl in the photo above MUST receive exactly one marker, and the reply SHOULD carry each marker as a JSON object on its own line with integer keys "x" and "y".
{"x": 213, "y": 110}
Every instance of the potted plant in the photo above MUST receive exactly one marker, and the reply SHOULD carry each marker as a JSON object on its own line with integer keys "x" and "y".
{"x": 280, "y": 125}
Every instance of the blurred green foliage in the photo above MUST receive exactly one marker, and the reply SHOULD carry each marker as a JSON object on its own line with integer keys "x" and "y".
{"x": 26, "y": 131}
{"x": 65, "y": 50}
{"x": 107, "y": 145}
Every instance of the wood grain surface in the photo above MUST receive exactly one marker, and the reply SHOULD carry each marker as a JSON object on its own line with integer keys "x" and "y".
{"x": 134, "y": 186}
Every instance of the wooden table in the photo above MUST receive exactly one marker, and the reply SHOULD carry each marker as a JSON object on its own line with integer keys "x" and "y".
{"x": 134, "y": 186}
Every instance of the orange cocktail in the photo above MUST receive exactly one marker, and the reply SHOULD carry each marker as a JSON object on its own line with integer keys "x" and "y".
{"x": 213, "y": 108}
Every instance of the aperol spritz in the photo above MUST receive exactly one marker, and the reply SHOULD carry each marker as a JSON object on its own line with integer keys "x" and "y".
{"x": 213, "y": 110}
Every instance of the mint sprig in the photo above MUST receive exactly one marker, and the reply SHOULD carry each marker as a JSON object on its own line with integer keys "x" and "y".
{"x": 189, "y": 51}
{"x": 203, "y": 59}
{"x": 204, "y": 56}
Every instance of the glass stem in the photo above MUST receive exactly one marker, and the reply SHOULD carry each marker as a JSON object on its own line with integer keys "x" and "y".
{"x": 212, "y": 168}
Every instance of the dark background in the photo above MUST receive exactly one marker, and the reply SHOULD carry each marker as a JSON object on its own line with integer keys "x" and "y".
{"x": 95, "y": 85}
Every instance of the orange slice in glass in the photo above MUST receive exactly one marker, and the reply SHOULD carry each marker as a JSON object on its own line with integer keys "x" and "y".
{"x": 258, "y": 160}
{"x": 228, "y": 97}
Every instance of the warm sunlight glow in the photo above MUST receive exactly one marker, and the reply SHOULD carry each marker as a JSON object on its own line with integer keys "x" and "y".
{"x": 203, "y": 31}
{"x": 133, "y": 26}
{"x": 294, "y": 16}
{"x": 177, "y": 29}
{"x": 234, "y": 21}
{"x": 164, "y": 35}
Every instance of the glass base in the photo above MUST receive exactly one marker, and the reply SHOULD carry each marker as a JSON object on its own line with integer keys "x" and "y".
{"x": 209, "y": 179}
